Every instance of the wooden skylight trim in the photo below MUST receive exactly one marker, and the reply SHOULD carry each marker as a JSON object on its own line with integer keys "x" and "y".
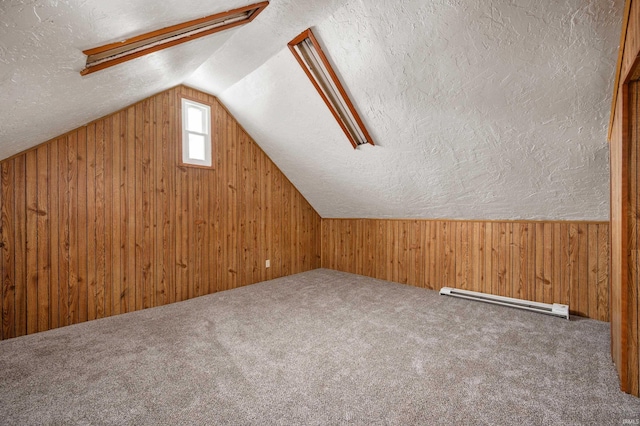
{"x": 616, "y": 84}
{"x": 326, "y": 82}
{"x": 112, "y": 54}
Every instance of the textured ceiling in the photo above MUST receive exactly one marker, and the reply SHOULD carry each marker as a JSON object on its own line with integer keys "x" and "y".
{"x": 479, "y": 109}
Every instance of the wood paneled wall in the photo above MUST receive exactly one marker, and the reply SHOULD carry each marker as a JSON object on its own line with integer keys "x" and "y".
{"x": 103, "y": 220}
{"x": 550, "y": 262}
{"x": 630, "y": 167}
{"x": 618, "y": 253}
{"x": 625, "y": 215}
{"x": 625, "y": 281}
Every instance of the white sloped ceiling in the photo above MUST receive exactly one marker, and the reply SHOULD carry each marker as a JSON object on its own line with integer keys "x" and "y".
{"x": 41, "y": 44}
{"x": 479, "y": 109}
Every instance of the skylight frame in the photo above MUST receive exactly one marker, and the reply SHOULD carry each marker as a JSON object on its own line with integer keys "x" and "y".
{"x": 108, "y": 55}
{"x": 309, "y": 54}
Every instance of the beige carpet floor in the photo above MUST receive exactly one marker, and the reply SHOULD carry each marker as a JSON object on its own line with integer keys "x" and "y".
{"x": 322, "y": 347}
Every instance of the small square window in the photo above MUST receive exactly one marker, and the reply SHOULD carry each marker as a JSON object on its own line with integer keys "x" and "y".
{"x": 196, "y": 133}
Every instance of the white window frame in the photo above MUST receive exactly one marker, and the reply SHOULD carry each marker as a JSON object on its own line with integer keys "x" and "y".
{"x": 206, "y": 110}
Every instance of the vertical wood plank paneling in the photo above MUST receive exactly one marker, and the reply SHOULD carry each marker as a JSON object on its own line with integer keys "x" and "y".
{"x": 583, "y": 270}
{"x": 162, "y": 203}
{"x": 71, "y": 227}
{"x": 100, "y": 201}
{"x": 214, "y": 217}
{"x": 565, "y": 262}
{"x": 381, "y": 247}
{"x": 266, "y": 221}
{"x": 556, "y": 260}
{"x": 81, "y": 228}
{"x": 547, "y": 276}
{"x": 20, "y": 253}
{"x": 417, "y": 266}
{"x": 630, "y": 244}
{"x": 147, "y": 200}
{"x": 538, "y": 261}
{"x": 592, "y": 266}
{"x": 619, "y": 179}
{"x": 285, "y": 243}
{"x": 516, "y": 261}
{"x": 128, "y": 212}
{"x": 42, "y": 207}
{"x": 115, "y": 194}
{"x": 358, "y": 240}
{"x": 103, "y": 220}
{"x": 573, "y": 268}
{"x": 473, "y": 247}
{"x": 488, "y": 258}
{"x": 497, "y": 259}
{"x": 603, "y": 271}
{"x": 434, "y": 265}
{"x": 539, "y": 265}
{"x": 461, "y": 245}
{"x": 255, "y": 209}
{"x": 107, "y": 295}
{"x": 138, "y": 202}
{"x": 170, "y": 129}
{"x": 370, "y": 244}
{"x": 231, "y": 247}
{"x": 54, "y": 254}
{"x": 448, "y": 263}
{"x": 8, "y": 250}
{"x": 504, "y": 242}
{"x": 480, "y": 247}
{"x": 238, "y": 217}
{"x": 190, "y": 290}
{"x": 277, "y": 220}
{"x": 531, "y": 261}
{"x": 403, "y": 250}
{"x": 91, "y": 223}
{"x": 244, "y": 201}
{"x": 392, "y": 251}
{"x": 32, "y": 241}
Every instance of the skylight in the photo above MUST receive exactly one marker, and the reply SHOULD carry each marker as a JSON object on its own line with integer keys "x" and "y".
{"x": 112, "y": 54}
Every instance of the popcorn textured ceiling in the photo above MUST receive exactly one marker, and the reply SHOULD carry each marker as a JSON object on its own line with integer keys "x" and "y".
{"x": 479, "y": 109}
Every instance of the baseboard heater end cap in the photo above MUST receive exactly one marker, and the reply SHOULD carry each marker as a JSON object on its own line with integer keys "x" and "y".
{"x": 445, "y": 291}
{"x": 560, "y": 310}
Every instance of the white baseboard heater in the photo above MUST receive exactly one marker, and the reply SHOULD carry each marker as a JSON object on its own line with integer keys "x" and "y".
{"x": 555, "y": 309}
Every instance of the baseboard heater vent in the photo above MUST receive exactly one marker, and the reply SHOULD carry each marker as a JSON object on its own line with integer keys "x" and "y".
{"x": 555, "y": 309}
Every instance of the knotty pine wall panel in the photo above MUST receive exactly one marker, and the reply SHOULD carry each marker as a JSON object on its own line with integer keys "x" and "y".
{"x": 550, "y": 262}
{"x": 103, "y": 220}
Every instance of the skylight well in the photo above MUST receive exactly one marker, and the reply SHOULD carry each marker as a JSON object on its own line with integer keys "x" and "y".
{"x": 315, "y": 64}
{"x": 112, "y": 54}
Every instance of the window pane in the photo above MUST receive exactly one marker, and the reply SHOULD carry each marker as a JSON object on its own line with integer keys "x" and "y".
{"x": 196, "y": 147}
{"x": 195, "y": 120}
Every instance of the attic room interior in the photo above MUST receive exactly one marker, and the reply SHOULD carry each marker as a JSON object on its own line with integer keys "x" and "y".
{"x": 276, "y": 212}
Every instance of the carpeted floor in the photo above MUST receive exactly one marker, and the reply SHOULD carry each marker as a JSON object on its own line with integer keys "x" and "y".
{"x": 322, "y": 347}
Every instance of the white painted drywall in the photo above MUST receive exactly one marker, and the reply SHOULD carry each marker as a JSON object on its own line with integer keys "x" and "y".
{"x": 480, "y": 110}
